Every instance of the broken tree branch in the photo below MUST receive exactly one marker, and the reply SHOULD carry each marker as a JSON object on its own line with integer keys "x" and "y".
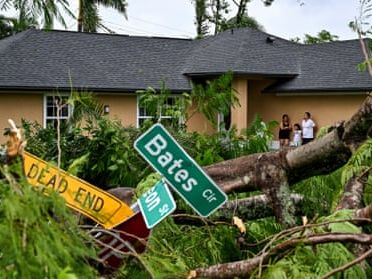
{"x": 252, "y": 208}
{"x": 365, "y": 212}
{"x": 353, "y": 193}
{"x": 348, "y": 265}
{"x": 244, "y": 268}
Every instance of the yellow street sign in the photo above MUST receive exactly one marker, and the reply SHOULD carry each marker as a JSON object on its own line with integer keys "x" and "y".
{"x": 91, "y": 201}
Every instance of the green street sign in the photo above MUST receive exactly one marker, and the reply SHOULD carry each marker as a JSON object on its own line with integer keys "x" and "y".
{"x": 156, "y": 204}
{"x": 166, "y": 156}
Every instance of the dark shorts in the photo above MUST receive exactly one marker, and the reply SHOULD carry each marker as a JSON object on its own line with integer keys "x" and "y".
{"x": 305, "y": 141}
{"x": 284, "y": 134}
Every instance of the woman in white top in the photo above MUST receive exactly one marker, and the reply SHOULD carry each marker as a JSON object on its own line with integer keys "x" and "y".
{"x": 307, "y": 128}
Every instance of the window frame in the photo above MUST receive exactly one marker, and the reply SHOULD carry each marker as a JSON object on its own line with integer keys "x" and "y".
{"x": 45, "y": 109}
{"x": 138, "y": 117}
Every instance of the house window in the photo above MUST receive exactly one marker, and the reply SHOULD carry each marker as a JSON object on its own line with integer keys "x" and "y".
{"x": 165, "y": 115}
{"x": 224, "y": 121}
{"x": 52, "y": 113}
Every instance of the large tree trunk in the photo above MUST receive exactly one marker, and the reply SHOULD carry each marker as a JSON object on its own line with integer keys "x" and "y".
{"x": 274, "y": 172}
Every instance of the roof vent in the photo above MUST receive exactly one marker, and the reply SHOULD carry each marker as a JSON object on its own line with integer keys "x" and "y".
{"x": 270, "y": 39}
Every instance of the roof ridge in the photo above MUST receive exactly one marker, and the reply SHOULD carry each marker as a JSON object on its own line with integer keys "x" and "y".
{"x": 115, "y": 34}
{"x": 8, "y": 41}
{"x": 333, "y": 42}
{"x": 258, "y": 31}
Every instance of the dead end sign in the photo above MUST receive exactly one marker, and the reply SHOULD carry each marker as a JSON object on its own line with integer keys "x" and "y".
{"x": 102, "y": 207}
{"x": 166, "y": 156}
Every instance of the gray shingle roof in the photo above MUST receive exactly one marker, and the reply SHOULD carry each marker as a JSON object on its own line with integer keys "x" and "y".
{"x": 327, "y": 67}
{"x": 37, "y": 59}
{"x": 43, "y": 59}
{"x": 243, "y": 51}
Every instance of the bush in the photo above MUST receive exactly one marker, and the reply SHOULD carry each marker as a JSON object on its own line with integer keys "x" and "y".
{"x": 39, "y": 237}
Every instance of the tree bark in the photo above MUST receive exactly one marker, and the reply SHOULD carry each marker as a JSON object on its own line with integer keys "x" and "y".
{"x": 365, "y": 212}
{"x": 252, "y": 208}
{"x": 244, "y": 268}
{"x": 80, "y": 17}
{"x": 274, "y": 172}
{"x": 321, "y": 156}
{"x": 353, "y": 193}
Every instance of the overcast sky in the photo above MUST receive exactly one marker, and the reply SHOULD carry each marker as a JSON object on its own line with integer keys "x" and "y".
{"x": 284, "y": 18}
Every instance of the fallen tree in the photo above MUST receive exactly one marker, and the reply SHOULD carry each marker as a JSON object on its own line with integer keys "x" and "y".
{"x": 246, "y": 267}
{"x": 275, "y": 172}
{"x": 301, "y": 235}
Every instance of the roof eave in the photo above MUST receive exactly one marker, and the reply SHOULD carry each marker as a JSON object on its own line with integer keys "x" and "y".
{"x": 242, "y": 73}
{"x": 317, "y": 90}
{"x": 93, "y": 89}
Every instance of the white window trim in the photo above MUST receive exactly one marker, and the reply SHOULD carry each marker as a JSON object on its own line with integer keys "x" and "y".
{"x": 138, "y": 117}
{"x": 219, "y": 121}
{"x": 45, "y": 118}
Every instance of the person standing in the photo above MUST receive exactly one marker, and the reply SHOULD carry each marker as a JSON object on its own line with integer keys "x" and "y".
{"x": 297, "y": 134}
{"x": 307, "y": 128}
{"x": 284, "y": 131}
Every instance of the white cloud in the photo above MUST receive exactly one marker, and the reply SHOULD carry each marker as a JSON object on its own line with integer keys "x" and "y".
{"x": 285, "y": 18}
{"x": 288, "y": 19}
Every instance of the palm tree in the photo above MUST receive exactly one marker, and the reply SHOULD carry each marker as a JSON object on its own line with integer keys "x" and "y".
{"x": 6, "y": 27}
{"x": 88, "y": 17}
{"x": 34, "y": 10}
{"x": 12, "y": 25}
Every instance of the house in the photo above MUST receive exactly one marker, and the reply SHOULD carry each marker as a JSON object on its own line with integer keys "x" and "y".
{"x": 272, "y": 76}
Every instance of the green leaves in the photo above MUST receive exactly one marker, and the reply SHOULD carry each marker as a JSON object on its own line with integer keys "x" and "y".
{"x": 159, "y": 106}
{"x": 84, "y": 106}
{"x": 322, "y": 37}
{"x": 67, "y": 274}
{"x": 112, "y": 160}
{"x": 37, "y": 12}
{"x": 89, "y": 19}
{"x": 359, "y": 162}
{"x": 39, "y": 236}
{"x": 214, "y": 97}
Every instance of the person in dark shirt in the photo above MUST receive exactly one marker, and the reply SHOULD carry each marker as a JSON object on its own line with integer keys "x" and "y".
{"x": 284, "y": 131}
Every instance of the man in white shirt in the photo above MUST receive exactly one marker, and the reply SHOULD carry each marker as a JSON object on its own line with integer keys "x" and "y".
{"x": 307, "y": 128}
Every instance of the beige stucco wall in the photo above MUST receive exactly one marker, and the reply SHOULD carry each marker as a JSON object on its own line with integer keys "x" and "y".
{"x": 122, "y": 107}
{"x": 325, "y": 108}
{"x": 198, "y": 123}
{"x": 16, "y": 106}
{"x": 239, "y": 113}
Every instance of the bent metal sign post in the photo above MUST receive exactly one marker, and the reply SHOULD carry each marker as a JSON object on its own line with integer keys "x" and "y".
{"x": 166, "y": 156}
{"x": 91, "y": 201}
